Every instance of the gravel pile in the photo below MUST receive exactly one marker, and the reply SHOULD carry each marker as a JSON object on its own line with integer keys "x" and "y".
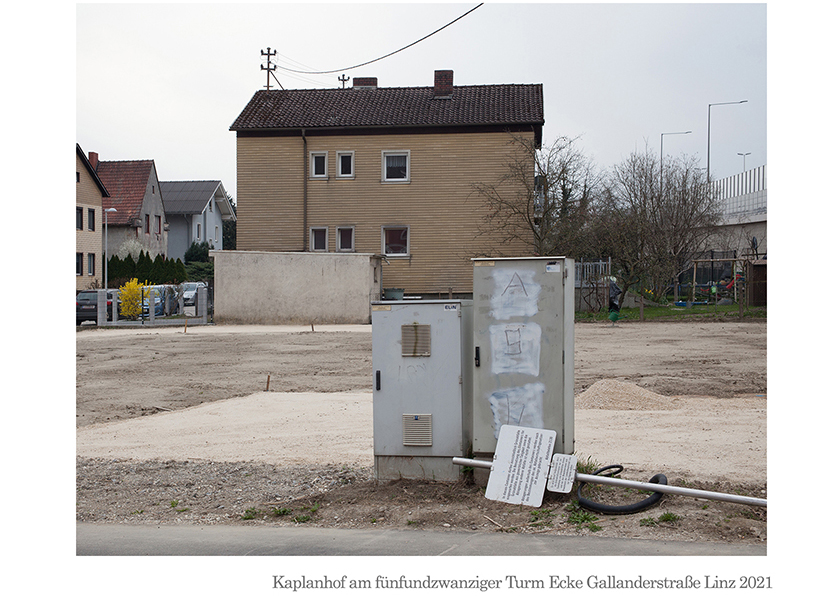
{"x": 617, "y": 394}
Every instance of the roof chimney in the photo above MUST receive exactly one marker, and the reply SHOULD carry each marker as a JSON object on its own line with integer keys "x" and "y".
{"x": 443, "y": 84}
{"x": 93, "y": 160}
{"x": 365, "y": 83}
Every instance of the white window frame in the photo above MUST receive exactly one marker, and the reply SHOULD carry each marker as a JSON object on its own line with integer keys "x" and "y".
{"x": 339, "y": 173}
{"x": 395, "y": 152}
{"x": 384, "y": 230}
{"x": 352, "y": 230}
{"x": 313, "y": 156}
{"x": 315, "y": 229}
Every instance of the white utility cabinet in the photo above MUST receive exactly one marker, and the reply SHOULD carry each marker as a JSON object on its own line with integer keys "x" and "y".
{"x": 523, "y": 329}
{"x": 421, "y": 363}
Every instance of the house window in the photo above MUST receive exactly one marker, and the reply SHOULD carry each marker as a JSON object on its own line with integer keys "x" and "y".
{"x": 79, "y": 263}
{"x": 198, "y": 232}
{"x": 158, "y": 224}
{"x": 318, "y": 165}
{"x": 217, "y": 234}
{"x": 79, "y": 218}
{"x": 318, "y": 239}
{"x": 395, "y": 166}
{"x": 395, "y": 241}
{"x": 146, "y": 224}
{"x": 77, "y": 177}
{"x": 344, "y": 239}
{"x": 90, "y": 265}
{"x": 91, "y": 219}
{"x": 344, "y": 165}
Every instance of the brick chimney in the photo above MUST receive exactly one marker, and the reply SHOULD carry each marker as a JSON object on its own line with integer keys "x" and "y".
{"x": 93, "y": 160}
{"x": 365, "y": 83}
{"x": 443, "y": 84}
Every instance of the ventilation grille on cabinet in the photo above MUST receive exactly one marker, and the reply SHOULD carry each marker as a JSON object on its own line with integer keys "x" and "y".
{"x": 417, "y": 429}
{"x": 415, "y": 339}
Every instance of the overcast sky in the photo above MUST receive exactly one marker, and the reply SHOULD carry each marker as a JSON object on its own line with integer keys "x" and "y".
{"x": 164, "y": 82}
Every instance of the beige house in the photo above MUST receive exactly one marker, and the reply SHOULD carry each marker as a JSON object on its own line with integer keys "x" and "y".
{"x": 387, "y": 171}
{"x": 89, "y": 195}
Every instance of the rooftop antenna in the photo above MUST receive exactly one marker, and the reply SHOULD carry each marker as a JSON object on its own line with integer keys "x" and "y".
{"x": 343, "y": 80}
{"x": 270, "y": 67}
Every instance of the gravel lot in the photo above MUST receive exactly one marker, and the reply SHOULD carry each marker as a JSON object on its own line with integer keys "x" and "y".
{"x": 244, "y": 425}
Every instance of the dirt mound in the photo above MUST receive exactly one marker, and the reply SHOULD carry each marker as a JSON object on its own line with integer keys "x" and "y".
{"x": 616, "y": 394}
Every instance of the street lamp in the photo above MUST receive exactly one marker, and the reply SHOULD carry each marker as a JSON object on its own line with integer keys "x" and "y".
{"x": 106, "y": 247}
{"x": 708, "y": 138}
{"x": 662, "y": 134}
{"x": 748, "y": 153}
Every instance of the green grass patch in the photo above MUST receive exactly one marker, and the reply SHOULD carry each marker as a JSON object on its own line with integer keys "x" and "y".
{"x": 672, "y": 312}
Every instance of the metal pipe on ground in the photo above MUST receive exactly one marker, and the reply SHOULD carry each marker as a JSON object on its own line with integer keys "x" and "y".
{"x": 663, "y": 488}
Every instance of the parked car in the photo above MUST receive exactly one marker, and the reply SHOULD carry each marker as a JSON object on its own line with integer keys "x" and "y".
{"x": 190, "y": 288}
{"x": 87, "y": 305}
{"x": 160, "y": 299}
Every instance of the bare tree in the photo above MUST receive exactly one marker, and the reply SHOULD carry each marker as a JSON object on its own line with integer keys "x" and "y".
{"x": 684, "y": 222}
{"x": 654, "y": 218}
{"x": 549, "y": 213}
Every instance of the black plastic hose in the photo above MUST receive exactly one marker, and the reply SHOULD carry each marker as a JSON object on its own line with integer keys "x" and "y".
{"x": 621, "y": 509}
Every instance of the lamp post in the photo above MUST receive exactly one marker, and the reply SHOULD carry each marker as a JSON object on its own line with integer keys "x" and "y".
{"x": 708, "y": 137}
{"x": 106, "y": 246}
{"x": 662, "y": 134}
{"x": 748, "y": 153}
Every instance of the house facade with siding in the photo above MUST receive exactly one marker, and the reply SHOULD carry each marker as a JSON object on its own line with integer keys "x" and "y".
{"x": 389, "y": 171}
{"x": 89, "y": 195}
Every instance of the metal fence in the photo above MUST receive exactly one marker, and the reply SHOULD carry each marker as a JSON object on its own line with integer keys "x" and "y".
{"x": 591, "y": 284}
{"x": 744, "y": 194}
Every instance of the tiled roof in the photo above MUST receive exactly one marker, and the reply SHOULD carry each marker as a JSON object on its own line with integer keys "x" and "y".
{"x": 126, "y": 182}
{"x": 472, "y": 105}
{"x": 187, "y": 197}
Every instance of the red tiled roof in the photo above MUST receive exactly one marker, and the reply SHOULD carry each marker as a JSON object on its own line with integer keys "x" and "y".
{"x": 126, "y": 182}
{"x": 473, "y": 105}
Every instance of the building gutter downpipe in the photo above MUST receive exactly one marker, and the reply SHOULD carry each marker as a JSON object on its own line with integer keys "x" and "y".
{"x": 306, "y": 172}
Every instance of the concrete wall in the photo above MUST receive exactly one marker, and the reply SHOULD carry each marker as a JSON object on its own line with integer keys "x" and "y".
{"x": 294, "y": 288}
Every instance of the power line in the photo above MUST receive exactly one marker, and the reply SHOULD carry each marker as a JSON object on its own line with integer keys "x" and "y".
{"x": 327, "y": 72}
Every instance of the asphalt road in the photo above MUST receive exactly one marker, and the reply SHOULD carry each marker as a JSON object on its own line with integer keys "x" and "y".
{"x": 192, "y": 540}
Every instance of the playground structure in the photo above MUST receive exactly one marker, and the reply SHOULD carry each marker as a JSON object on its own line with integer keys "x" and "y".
{"x": 740, "y": 280}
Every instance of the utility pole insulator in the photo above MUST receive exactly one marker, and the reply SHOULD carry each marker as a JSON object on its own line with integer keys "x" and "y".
{"x": 270, "y": 67}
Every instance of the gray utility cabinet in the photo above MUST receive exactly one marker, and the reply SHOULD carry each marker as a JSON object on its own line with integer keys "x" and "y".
{"x": 421, "y": 362}
{"x": 523, "y": 330}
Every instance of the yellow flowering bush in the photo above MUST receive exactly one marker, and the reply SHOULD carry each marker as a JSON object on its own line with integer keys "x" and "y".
{"x": 131, "y": 299}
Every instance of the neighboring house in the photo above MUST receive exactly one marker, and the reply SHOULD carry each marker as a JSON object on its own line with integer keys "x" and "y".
{"x": 134, "y": 191}
{"x": 195, "y": 212}
{"x": 89, "y": 195}
{"x": 382, "y": 170}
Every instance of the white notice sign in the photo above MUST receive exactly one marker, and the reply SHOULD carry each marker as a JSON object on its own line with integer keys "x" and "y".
{"x": 520, "y": 465}
{"x": 563, "y": 473}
